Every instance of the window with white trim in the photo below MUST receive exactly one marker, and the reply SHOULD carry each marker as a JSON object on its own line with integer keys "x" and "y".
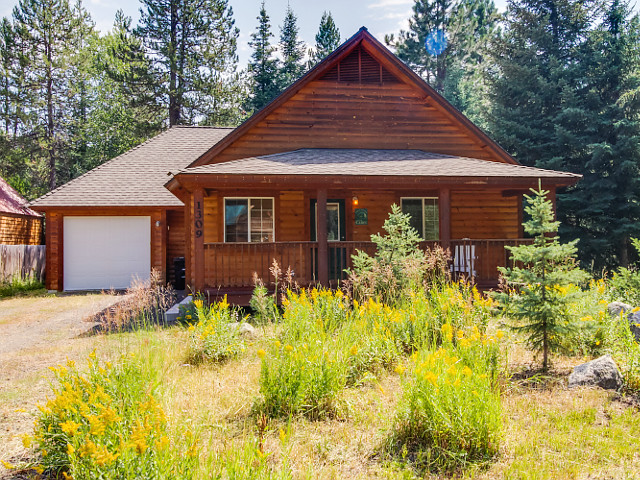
{"x": 248, "y": 219}
{"x": 425, "y": 216}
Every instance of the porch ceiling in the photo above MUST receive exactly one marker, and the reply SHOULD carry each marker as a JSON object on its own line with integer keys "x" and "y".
{"x": 316, "y": 163}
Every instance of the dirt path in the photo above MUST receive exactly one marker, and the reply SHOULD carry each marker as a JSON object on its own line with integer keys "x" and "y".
{"x": 27, "y": 323}
{"x": 35, "y": 333}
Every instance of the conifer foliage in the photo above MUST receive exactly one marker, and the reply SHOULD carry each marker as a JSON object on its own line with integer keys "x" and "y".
{"x": 327, "y": 40}
{"x": 263, "y": 66}
{"x": 538, "y": 292}
{"x": 292, "y": 50}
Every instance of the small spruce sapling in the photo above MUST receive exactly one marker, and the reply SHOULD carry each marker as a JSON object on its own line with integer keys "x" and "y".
{"x": 538, "y": 297}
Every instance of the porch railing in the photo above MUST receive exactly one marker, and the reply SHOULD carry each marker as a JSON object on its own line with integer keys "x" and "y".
{"x": 233, "y": 265}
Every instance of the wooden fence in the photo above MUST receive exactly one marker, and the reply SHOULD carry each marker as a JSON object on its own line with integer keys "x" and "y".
{"x": 22, "y": 261}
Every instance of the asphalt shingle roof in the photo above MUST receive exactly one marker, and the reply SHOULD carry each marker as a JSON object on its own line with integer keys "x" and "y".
{"x": 363, "y": 162}
{"x": 12, "y": 202}
{"x": 137, "y": 177}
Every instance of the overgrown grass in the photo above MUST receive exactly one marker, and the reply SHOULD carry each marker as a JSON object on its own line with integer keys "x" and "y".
{"x": 214, "y": 335}
{"x": 450, "y": 414}
{"x": 107, "y": 423}
{"x": 18, "y": 286}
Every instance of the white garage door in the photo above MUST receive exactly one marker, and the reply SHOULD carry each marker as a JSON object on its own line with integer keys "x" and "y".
{"x": 105, "y": 252}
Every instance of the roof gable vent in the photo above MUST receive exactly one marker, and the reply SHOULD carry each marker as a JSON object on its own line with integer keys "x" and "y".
{"x": 360, "y": 67}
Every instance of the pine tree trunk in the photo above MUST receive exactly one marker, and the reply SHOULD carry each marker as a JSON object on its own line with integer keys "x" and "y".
{"x": 50, "y": 126}
{"x": 624, "y": 251}
{"x": 174, "y": 108}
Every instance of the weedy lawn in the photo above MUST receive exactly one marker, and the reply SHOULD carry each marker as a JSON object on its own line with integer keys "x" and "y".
{"x": 362, "y": 416}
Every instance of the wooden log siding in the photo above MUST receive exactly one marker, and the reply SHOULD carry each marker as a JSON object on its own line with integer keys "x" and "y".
{"x": 175, "y": 240}
{"x": 484, "y": 215}
{"x": 332, "y": 114}
{"x": 20, "y": 229}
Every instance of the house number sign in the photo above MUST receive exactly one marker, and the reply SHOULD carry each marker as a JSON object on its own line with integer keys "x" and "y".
{"x": 198, "y": 219}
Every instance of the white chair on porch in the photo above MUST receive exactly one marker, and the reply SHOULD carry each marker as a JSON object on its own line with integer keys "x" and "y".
{"x": 464, "y": 260}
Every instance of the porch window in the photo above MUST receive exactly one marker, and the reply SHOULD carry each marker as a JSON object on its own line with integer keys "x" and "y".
{"x": 425, "y": 216}
{"x": 248, "y": 219}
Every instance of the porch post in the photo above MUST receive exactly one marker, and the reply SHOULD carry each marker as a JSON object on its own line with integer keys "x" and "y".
{"x": 445, "y": 217}
{"x": 321, "y": 237}
{"x": 198, "y": 238}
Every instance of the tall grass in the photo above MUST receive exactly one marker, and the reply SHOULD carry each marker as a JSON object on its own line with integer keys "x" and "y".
{"x": 328, "y": 342}
{"x": 450, "y": 413}
{"x": 108, "y": 423}
{"x": 213, "y": 337}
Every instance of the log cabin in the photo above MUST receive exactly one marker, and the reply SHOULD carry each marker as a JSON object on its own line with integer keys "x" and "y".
{"x": 305, "y": 181}
{"x": 19, "y": 225}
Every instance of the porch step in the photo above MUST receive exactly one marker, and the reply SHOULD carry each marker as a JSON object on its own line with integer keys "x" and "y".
{"x": 171, "y": 315}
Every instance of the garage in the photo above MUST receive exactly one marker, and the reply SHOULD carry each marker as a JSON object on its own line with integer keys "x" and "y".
{"x": 105, "y": 252}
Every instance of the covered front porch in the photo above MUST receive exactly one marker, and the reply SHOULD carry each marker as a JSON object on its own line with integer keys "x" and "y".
{"x": 230, "y": 267}
{"x": 311, "y": 210}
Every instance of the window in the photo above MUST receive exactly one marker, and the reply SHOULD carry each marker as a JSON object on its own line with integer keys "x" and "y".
{"x": 425, "y": 216}
{"x": 248, "y": 219}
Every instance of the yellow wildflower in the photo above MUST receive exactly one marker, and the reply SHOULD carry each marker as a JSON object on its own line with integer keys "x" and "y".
{"x": 353, "y": 350}
{"x": 7, "y": 465}
{"x": 288, "y": 348}
{"x": 66, "y": 476}
{"x": 97, "y": 427}
{"x": 70, "y": 427}
{"x": 70, "y": 449}
{"x": 162, "y": 442}
{"x": 261, "y": 353}
{"x": 198, "y": 303}
{"x": 400, "y": 369}
{"x": 431, "y": 378}
{"x": 282, "y": 435}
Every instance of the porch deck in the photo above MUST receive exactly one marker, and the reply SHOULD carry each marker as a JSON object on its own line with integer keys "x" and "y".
{"x": 229, "y": 268}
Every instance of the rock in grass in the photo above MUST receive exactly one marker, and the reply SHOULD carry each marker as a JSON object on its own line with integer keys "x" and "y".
{"x": 634, "y": 324}
{"x": 601, "y": 372}
{"x": 245, "y": 329}
{"x": 614, "y": 308}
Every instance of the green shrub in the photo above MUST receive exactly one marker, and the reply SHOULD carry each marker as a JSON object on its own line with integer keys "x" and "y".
{"x": 107, "y": 423}
{"x": 214, "y": 337}
{"x": 399, "y": 266}
{"x": 450, "y": 413}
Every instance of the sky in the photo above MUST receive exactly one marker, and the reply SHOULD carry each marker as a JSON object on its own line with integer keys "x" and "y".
{"x": 379, "y": 16}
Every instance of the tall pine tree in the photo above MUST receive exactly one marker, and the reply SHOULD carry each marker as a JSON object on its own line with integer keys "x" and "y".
{"x": 327, "y": 40}
{"x": 563, "y": 69}
{"x": 292, "y": 50}
{"x": 263, "y": 67}
{"x": 462, "y": 28}
{"x": 53, "y": 36}
{"x": 193, "y": 44}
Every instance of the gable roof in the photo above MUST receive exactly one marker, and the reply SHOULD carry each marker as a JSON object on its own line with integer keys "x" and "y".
{"x": 137, "y": 177}
{"x": 388, "y": 163}
{"x": 393, "y": 67}
{"x": 11, "y": 202}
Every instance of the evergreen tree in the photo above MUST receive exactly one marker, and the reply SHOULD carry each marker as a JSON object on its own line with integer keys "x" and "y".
{"x": 327, "y": 40}
{"x": 193, "y": 45}
{"x": 540, "y": 295}
{"x": 457, "y": 32}
{"x": 292, "y": 49}
{"x": 263, "y": 67}
{"x": 125, "y": 108}
{"x": 563, "y": 69}
{"x": 53, "y": 35}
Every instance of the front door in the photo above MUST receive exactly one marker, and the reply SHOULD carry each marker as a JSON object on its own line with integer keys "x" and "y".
{"x": 335, "y": 233}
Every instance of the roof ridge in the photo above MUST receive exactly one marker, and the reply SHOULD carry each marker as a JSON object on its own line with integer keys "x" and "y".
{"x": 213, "y": 127}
